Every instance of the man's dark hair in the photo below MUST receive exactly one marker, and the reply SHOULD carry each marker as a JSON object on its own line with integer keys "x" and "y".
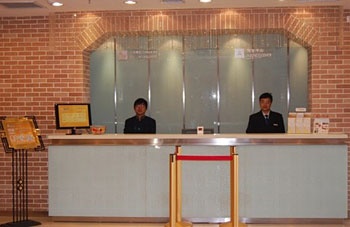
{"x": 266, "y": 95}
{"x": 140, "y": 101}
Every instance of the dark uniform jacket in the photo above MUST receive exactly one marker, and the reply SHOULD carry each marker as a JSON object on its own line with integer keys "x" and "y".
{"x": 257, "y": 123}
{"x": 146, "y": 125}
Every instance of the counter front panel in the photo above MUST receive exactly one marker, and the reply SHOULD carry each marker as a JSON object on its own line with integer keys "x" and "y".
{"x": 276, "y": 180}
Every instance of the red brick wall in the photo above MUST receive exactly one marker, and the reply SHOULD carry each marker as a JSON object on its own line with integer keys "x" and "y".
{"x": 45, "y": 60}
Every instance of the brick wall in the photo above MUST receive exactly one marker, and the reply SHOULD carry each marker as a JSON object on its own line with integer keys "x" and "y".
{"x": 45, "y": 60}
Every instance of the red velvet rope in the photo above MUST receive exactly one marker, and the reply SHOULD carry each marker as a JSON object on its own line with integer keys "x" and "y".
{"x": 203, "y": 158}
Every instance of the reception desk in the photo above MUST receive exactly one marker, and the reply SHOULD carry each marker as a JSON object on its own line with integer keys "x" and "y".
{"x": 117, "y": 177}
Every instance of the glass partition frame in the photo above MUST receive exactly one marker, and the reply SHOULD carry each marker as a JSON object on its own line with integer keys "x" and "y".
{"x": 200, "y": 80}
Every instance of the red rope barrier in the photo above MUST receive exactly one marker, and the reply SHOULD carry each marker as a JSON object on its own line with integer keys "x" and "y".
{"x": 203, "y": 158}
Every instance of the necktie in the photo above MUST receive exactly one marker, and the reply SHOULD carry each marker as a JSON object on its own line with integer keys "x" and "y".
{"x": 267, "y": 121}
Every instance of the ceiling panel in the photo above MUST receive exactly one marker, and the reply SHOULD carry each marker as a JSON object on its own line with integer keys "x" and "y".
{"x": 97, "y": 5}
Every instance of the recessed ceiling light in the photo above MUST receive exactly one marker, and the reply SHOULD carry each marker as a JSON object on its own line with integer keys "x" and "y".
{"x": 55, "y": 3}
{"x": 130, "y": 2}
{"x": 204, "y": 1}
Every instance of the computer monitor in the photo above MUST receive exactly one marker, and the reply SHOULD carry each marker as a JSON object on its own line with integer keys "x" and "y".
{"x": 72, "y": 116}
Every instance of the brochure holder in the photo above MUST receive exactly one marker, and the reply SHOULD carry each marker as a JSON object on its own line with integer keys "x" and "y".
{"x": 18, "y": 135}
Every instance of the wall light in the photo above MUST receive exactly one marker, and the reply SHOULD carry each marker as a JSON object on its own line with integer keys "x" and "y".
{"x": 204, "y": 1}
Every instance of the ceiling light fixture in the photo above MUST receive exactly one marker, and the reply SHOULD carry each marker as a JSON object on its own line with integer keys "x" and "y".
{"x": 55, "y": 3}
{"x": 204, "y": 1}
{"x": 130, "y": 2}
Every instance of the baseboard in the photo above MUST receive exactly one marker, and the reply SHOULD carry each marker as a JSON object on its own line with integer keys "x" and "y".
{"x": 293, "y": 220}
{"x": 30, "y": 213}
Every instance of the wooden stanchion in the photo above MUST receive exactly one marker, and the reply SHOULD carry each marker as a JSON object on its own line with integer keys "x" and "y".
{"x": 234, "y": 192}
{"x": 175, "y": 199}
{"x": 172, "y": 197}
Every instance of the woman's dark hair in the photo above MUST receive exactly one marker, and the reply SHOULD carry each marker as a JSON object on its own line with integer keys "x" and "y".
{"x": 266, "y": 95}
{"x": 140, "y": 101}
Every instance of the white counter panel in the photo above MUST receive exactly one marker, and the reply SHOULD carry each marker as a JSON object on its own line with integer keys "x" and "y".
{"x": 276, "y": 181}
{"x": 293, "y": 181}
{"x": 122, "y": 181}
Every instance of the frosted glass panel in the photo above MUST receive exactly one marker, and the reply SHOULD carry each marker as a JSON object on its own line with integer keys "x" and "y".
{"x": 298, "y": 62}
{"x": 102, "y": 85}
{"x": 271, "y": 71}
{"x": 132, "y": 76}
{"x": 166, "y": 85}
{"x": 201, "y": 88}
{"x": 235, "y": 82}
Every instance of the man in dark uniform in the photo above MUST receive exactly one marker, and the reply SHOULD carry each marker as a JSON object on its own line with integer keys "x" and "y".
{"x": 140, "y": 123}
{"x": 266, "y": 120}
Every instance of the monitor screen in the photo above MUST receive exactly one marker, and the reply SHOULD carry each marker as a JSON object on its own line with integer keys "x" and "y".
{"x": 72, "y": 116}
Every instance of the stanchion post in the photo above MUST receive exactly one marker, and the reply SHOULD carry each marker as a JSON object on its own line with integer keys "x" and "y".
{"x": 234, "y": 187}
{"x": 172, "y": 192}
{"x": 234, "y": 192}
{"x": 175, "y": 199}
{"x": 175, "y": 191}
{"x": 178, "y": 186}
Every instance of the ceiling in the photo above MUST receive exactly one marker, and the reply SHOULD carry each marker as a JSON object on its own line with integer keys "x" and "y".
{"x": 9, "y": 8}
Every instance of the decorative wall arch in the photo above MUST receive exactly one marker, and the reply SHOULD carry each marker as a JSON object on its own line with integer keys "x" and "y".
{"x": 171, "y": 22}
{"x": 179, "y": 22}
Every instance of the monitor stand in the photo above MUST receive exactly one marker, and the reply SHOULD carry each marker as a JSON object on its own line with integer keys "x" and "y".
{"x": 73, "y": 132}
